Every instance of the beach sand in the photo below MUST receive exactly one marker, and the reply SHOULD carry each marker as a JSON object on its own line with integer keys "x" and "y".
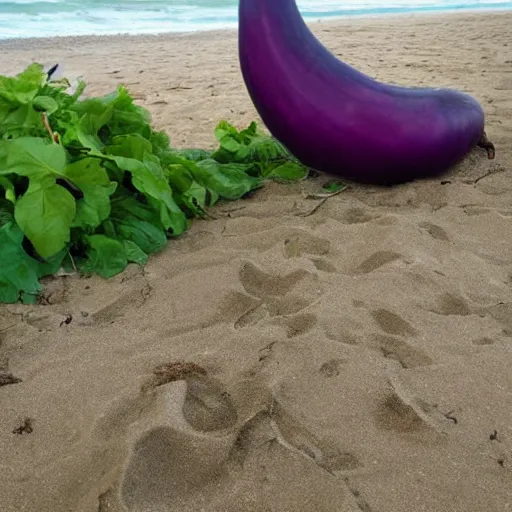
{"x": 283, "y": 356}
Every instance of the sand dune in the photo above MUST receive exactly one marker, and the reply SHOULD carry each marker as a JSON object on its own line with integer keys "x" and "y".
{"x": 349, "y": 358}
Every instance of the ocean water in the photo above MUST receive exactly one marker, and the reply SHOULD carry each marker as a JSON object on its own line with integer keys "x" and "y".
{"x": 42, "y": 18}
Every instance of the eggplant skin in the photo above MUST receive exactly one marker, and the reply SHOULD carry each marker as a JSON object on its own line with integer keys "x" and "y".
{"x": 340, "y": 121}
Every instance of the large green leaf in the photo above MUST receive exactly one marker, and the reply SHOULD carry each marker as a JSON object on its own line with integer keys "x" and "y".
{"x": 132, "y": 153}
{"x": 148, "y": 237}
{"x": 105, "y": 256}
{"x": 45, "y": 213}
{"x": 137, "y": 222}
{"x": 45, "y": 104}
{"x": 18, "y": 271}
{"x": 92, "y": 179}
{"x": 134, "y": 254}
{"x": 21, "y": 121}
{"x": 33, "y": 157}
{"x": 130, "y": 146}
{"x": 24, "y": 87}
{"x": 230, "y": 181}
{"x": 247, "y": 145}
{"x": 96, "y": 116}
{"x": 287, "y": 171}
{"x": 149, "y": 178}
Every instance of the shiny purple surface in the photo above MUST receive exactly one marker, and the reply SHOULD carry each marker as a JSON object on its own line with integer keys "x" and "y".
{"x": 338, "y": 120}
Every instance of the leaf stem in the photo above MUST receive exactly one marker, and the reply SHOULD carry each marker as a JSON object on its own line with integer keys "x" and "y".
{"x": 72, "y": 262}
{"x": 46, "y": 123}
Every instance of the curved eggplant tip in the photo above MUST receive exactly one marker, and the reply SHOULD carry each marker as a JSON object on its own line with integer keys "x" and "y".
{"x": 485, "y": 143}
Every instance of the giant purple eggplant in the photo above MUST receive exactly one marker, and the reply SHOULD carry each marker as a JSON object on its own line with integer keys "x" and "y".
{"x": 338, "y": 120}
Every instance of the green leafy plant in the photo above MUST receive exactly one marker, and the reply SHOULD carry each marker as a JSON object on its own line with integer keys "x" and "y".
{"x": 88, "y": 184}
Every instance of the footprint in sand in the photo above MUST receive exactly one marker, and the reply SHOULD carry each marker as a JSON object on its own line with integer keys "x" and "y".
{"x": 395, "y": 348}
{"x": 299, "y": 243}
{"x": 483, "y": 341}
{"x": 278, "y": 295}
{"x": 332, "y": 368}
{"x": 179, "y": 458}
{"x": 324, "y": 265}
{"x": 395, "y": 414}
{"x": 299, "y": 324}
{"x": 260, "y": 284}
{"x": 196, "y": 445}
{"x": 343, "y": 328}
{"x": 292, "y": 242}
{"x": 240, "y": 308}
{"x": 175, "y": 436}
{"x": 280, "y": 426}
{"x": 451, "y": 304}
{"x": 376, "y": 261}
{"x": 353, "y": 216}
{"x": 391, "y": 323}
{"x": 166, "y": 467}
{"x": 434, "y": 231}
{"x": 252, "y": 316}
{"x": 401, "y": 411}
{"x": 208, "y": 407}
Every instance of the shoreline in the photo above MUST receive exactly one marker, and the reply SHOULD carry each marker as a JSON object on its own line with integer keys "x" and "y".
{"x": 413, "y": 14}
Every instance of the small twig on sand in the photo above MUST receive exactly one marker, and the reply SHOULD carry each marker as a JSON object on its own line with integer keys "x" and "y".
{"x": 312, "y": 210}
{"x": 323, "y": 198}
{"x": 488, "y": 173}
